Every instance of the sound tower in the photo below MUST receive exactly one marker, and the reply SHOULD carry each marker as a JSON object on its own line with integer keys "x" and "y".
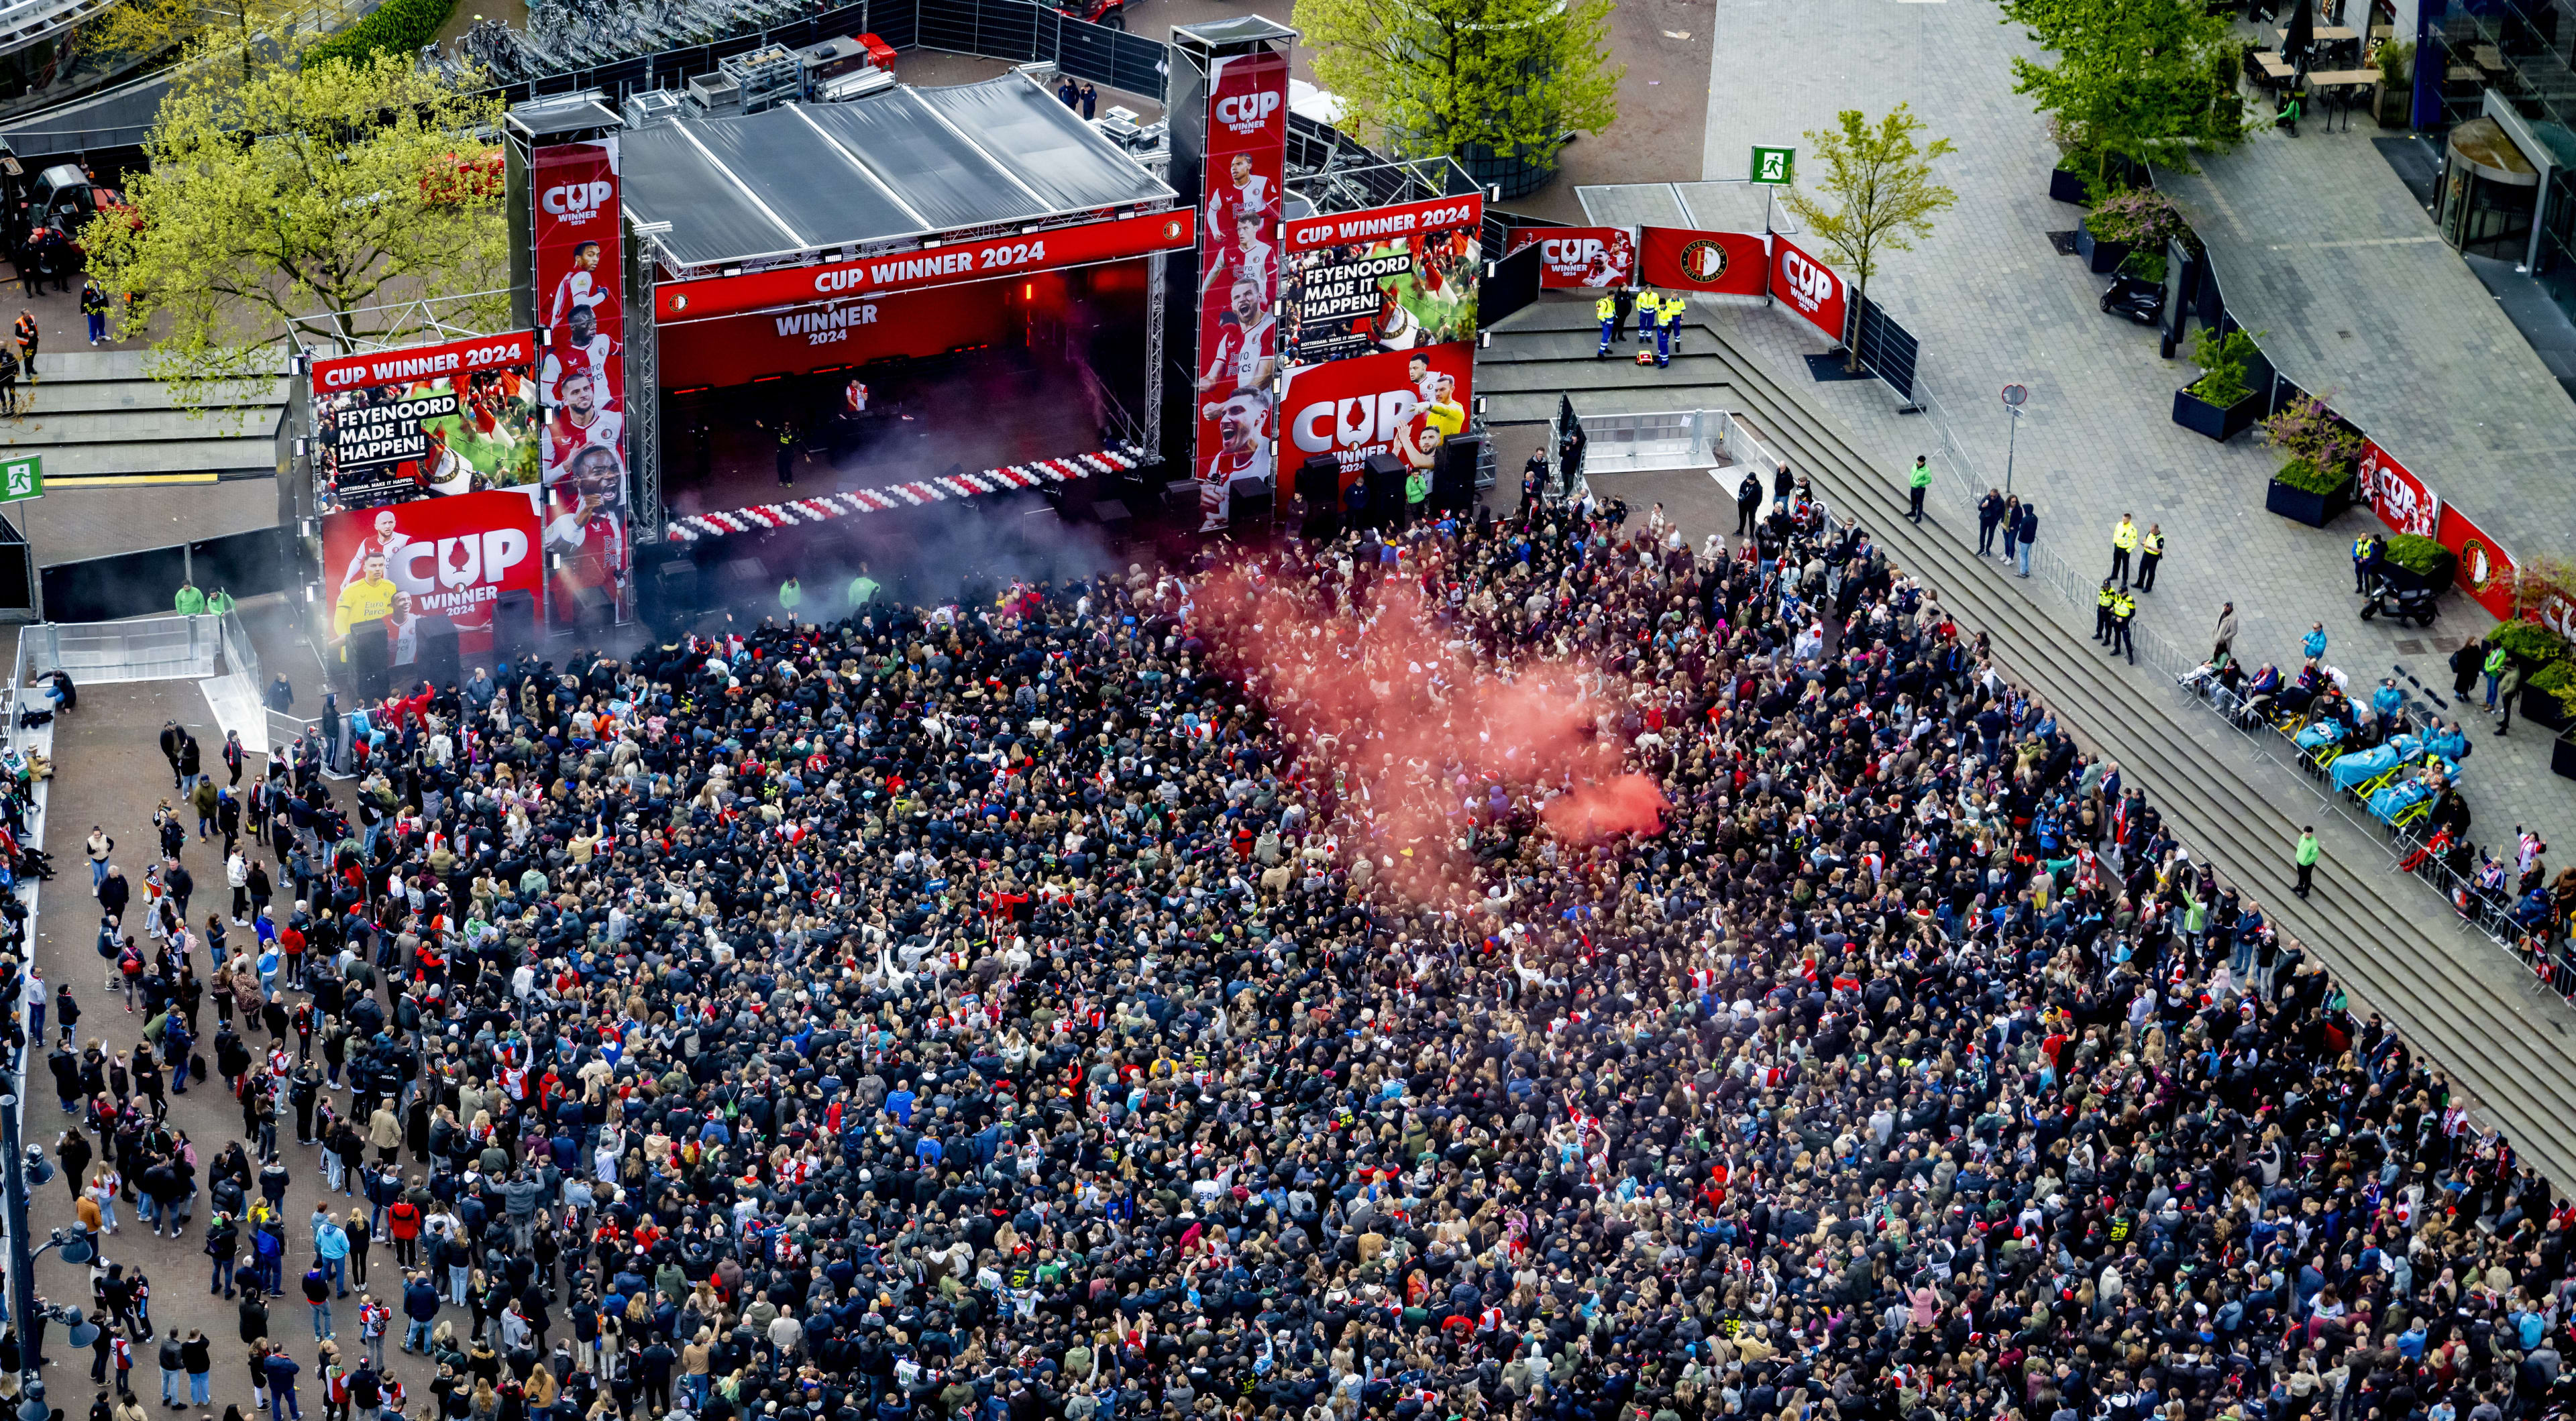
{"x": 1453, "y": 473}
{"x": 435, "y": 660}
{"x": 370, "y": 651}
{"x": 1319, "y": 496}
{"x": 514, "y": 625}
{"x": 1385, "y": 480}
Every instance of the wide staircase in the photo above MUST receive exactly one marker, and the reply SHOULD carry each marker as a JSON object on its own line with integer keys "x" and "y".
{"x": 99, "y": 422}
{"x": 2389, "y": 942}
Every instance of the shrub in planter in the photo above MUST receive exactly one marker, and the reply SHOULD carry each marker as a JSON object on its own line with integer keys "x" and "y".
{"x": 2306, "y": 429}
{"x": 2420, "y": 555}
{"x": 2307, "y": 494}
{"x": 2222, "y": 360}
{"x": 2142, "y": 218}
{"x": 2219, "y": 404}
{"x": 2530, "y": 643}
{"x": 2549, "y": 695}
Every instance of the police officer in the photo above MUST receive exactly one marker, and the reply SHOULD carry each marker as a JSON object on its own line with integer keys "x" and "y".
{"x": 2124, "y": 541}
{"x": 1668, "y": 334}
{"x": 2124, "y": 609}
{"x": 2151, "y": 550}
{"x": 2102, "y": 613}
{"x": 1607, "y": 309}
{"x": 2365, "y": 559}
{"x": 1650, "y": 312}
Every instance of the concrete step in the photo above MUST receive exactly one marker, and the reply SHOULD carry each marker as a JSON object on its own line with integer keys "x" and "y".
{"x": 46, "y": 425}
{"x": 247, "y": 457}
{"x": 2385, "y": 938}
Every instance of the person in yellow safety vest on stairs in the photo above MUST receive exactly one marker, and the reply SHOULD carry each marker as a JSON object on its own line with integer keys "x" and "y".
{"x": 2124, "y": 609}
{"x": 1650, "y": 310}
{"x": 2124, "y": 541}
{"x": 1607, "y": 308}
{"x": 2151, "y": 550}
{"x": 2102, "y": 614}
{"x": 1668, "y": 333}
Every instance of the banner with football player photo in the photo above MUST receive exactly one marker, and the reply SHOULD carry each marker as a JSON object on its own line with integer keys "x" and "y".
{"x": 425, "y": 421}
{"x": 1238, "y": 349}
{"x": 1385, "y": 278}
{"x": 410, "y": 564}
{"x": 581, "y": 381}
{"x": 1400, "y": 402}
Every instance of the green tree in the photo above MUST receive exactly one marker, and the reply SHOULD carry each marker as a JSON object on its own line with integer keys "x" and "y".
{"x": 2135, "y": 81}
{"x": 360, "y": 191}
{"x": 227, "y": 39}
{"x": 1434, "y": 78}
{"x": 1880, "y": 178}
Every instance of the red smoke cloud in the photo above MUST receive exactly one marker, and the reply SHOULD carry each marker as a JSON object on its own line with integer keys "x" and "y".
{"x": 1630, "y": 804}
{"x": 1412, "y": 727}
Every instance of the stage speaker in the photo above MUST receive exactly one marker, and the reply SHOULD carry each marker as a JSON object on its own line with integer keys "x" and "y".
{"x": 671, "y": 594}
{"x": 1453, "y": 473}
{"x": 1252, "y": 512}
{"x": 590, "y": 611}
{"x": 370, "y": 658}
{"x": 1385, "y": 482}
{"x": 741, "y": 580}
{"x": 435, "y": 657}
{"x": 1319, "y": 496}
{"x": 514, "y": 625}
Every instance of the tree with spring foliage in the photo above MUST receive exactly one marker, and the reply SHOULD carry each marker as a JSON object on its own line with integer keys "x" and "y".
{"x": 311, "y": 206}
{"x": 1880, "y": 179}
{"x": 2133, "y": 82}
{"x": 1450, "y": 78}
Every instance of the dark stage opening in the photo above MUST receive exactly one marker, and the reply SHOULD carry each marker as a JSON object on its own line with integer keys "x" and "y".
{"x": 867, "y": 392}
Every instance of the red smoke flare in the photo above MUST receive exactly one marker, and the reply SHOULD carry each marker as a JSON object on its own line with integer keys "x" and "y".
{"x": 1413, "y": 727}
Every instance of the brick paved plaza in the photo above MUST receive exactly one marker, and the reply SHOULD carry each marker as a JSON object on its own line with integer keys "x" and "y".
{"x": 1993, "y": 303}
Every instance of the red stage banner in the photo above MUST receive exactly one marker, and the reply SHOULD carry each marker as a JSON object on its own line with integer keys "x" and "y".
{"x": 1572, "y": 257}
{"x": 2486, "y": 570}
{"x": 1812, "y": 289}
{"x": 1720, "y": 263}
{"x": 1239, "y": 260}
{"x": 427, "y": 421}
{"x": 2397, "y": 496}
{"x": 931, "y": 266}
{"x": 1383, "y": 278}
{"x": 424, "y": 362}
{"x": 437, "y": 557}
{"x": 798, "y": 340}
{"x": 1402, "y": 402}
{"x": 579, "y": 262}
{"x": 1385, "y": 224}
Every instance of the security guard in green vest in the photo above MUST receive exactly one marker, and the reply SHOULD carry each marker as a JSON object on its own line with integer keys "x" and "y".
{"x": 2124, "y": 541}
{"x": 2102, "y": 613}
{"x": 2151, "y": 550}
{"x": 2124, "y": 609}
{"x": 1607, "y": 308}
{"x": 1417, "y": 491}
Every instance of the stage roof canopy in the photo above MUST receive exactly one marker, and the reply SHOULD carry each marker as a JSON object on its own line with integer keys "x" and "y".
{"x": 904, "y": 162}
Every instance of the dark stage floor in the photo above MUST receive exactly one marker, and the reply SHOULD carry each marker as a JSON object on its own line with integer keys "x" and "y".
{"x": 958, "y": 413}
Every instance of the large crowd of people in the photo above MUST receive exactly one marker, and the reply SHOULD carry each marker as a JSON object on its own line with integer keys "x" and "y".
{"x": 1531, "y": 967}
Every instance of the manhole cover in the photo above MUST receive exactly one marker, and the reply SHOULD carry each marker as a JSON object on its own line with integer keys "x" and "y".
{"x": 2410, "y": 647}
{"x": 2064, "y": 242}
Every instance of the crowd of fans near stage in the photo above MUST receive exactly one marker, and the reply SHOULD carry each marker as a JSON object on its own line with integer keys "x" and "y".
{"x": 1535, "y": 967}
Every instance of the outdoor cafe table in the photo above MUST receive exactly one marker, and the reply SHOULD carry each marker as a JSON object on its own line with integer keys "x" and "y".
{"x": 2340, "y": 80}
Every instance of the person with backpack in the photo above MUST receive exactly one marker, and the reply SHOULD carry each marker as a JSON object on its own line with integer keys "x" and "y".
{"x": 129, "y": 972}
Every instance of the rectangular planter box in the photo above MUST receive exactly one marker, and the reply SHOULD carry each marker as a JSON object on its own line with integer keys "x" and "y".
{"x": 2300, "y": 506}
{"x": 2201, "y": 417}
{"x": 2099, "y": 256}
{"x": 2541, "y": 708}
{"x": 2562, "y": 758}
{"x": 2405, "y": 580}
{"x": 2065, "y": 186}
{"x": 2391, "y": 108}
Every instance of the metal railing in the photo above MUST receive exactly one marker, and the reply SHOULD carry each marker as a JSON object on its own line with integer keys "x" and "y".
{"x": 2481, "y": 910}
{"x": 168, "y": 648}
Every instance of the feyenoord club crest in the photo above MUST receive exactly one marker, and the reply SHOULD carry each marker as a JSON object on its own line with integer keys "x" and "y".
{"x": 1704, "y": 260}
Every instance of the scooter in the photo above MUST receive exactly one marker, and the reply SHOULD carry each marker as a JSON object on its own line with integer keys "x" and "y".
{"x": 2138, "y": 299}
{"x": 2401, "y": 604}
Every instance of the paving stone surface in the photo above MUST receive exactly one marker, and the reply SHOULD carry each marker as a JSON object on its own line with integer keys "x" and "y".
{"x": 1992, "y": 304}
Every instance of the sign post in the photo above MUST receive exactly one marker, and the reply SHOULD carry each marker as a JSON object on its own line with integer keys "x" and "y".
{"x": 1772, "y": 168}
{"x": 2013, "y": 397}
{"x": 22, "y": 480}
